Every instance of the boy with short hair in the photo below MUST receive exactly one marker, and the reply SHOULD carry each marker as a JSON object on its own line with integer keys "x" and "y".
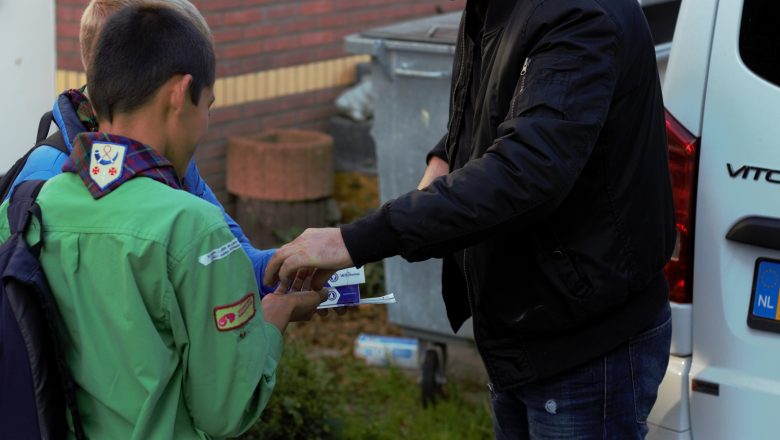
{"x": 73, "y": 114}
{"x": 164, "y": 332}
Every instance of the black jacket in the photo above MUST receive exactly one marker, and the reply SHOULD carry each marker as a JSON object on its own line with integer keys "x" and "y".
{"x": 557, "y": 217}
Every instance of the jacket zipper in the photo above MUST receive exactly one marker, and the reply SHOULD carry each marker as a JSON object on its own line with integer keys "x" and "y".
{"x": 523, "y": 71}
{"x": 474, "y": 315}
{"x": 526, "y": 63}
{"x": 468, "y": 290}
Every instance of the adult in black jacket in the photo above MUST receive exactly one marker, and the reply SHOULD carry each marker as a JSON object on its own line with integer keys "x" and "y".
{"x": 549, "y": 200}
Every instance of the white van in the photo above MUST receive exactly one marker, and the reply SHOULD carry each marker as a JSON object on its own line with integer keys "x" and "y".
{"x": 722, "y": 95}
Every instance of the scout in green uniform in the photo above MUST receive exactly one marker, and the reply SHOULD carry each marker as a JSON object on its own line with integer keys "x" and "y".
{"x": 165, "y": 334}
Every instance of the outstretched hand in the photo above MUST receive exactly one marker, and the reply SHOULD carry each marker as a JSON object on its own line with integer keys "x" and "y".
{"x": 284, "y": 305}
{"x": 321, "y": 249}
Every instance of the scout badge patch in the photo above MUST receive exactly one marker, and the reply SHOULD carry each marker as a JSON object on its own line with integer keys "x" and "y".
{"x": 106, "y": 163}
{"x": 233, "y": 316}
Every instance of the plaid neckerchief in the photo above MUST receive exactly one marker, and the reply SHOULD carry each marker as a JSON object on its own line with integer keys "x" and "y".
{"x": 105, "y": 161}
{"x": 83, "y": 108}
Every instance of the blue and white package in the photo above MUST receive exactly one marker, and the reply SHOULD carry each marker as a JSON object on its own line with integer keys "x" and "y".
{"x": 344, "y": 287}
{"x": 344, "y": 290}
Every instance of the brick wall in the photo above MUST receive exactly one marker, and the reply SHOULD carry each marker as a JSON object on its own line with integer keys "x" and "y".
{"x": 281, "y": 63}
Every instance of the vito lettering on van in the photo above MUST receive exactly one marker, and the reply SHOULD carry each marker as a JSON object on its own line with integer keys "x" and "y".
{"x": 756, "y": 173}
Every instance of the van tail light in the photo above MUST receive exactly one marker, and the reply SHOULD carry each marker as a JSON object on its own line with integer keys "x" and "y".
{"x": 683, "y": 164}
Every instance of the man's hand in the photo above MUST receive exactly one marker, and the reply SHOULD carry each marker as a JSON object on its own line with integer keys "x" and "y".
{"x": 436, "y": 168}
{"x": 320, "y": 249}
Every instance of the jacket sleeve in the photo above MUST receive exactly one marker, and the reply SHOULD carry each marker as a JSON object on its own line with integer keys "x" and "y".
{"x": 438, "y": 151}
{"x": 558, "y": 108}
{"x": 195, "y": 185}
{"x": 229, "y": 353}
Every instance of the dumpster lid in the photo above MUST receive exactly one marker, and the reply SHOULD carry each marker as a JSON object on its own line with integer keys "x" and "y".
{"x": 438, "y": 29}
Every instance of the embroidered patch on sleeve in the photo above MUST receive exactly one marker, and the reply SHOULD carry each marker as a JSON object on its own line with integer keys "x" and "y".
{"x": 106, "y": 163}
{"x": 236, "y": 315}
{"x": 219, "y": 253}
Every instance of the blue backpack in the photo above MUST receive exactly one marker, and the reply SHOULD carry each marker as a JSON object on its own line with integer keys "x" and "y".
{"x": 36, "y": 388}
{"x": 56, "y": 141}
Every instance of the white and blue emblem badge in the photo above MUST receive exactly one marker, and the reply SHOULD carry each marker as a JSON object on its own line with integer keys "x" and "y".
{"x": 106, "y": 163}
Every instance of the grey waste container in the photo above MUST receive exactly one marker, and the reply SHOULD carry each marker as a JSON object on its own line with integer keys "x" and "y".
{"x": 411, "y": 70}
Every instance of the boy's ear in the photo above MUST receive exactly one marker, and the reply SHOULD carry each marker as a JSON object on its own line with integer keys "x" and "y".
{"x": 180, "y": 91}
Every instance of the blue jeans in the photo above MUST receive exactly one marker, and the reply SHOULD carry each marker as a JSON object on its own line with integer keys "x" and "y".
{"x": 607, "y": 398}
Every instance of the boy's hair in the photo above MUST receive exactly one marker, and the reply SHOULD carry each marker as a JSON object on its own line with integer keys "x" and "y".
{"x": 99, "y": 11}
{"x": 140, "y": 49}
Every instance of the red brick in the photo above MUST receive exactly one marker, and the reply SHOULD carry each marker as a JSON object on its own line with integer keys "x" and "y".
{"x": 214, "y": 19}
{"x": 64, "y": 45}
{"x": 350, "y": 4}
{"x": 259, "y": 2}
{"x": 282, "y": 43}
{"x": 297, "y": 26}
{"x": 211, "y": 151}
{"x": 340, "y": 34}
{"x": 213, "y": 134}
{"x": 423, "y": 9}
{"x": 243, "y": 17}
{"x": 317, "y": 38}
{"x": 370, "y": 15}
{"x": 288, "y": 58}
{"x": 298, "y": 114}
{"x": 261, "y": 30}
{"x": 243, "y": 126}
{"x": 81, "y": 3}
{"x": 331, "y": 51}
{"x": 212, "y": 5}
{"x": 452, "y": 6}
{"x": 70, "y": 62}
{"x": 227, "y": 67}
{"x": 243, "y": 49}
{"x": 211, "y": 167}
{"x": 282, "y": 12}
{"x": 68, "y": 29}
{"x": 317, "y": 7}
{"x": 68, "y": 14}
{"x": 333, "y": 20}
{"x": 227, "y": 35}
{"x": 224, "y": 114}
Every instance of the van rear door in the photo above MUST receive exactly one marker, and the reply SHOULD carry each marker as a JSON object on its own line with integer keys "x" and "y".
{"x": 735, "y": 370}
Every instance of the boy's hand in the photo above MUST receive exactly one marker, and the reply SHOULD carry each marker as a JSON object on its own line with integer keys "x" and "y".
{"x": 280, "y": 308}
{"x": 305, "y": 303}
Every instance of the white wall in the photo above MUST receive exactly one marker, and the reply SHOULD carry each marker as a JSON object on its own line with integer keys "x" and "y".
{"x": 27, "y": 73}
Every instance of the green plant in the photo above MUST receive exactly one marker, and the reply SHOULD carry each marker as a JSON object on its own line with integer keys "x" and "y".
{"x": 302, "y": 403}
{"x": 339, "y": 397}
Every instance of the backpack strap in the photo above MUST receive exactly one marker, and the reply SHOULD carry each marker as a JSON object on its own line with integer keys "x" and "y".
{"x": 43, "y": 126}
{"x": 22, "y": 206}
{"x": 56, "y": 140}
{"x": 22, "y": 203}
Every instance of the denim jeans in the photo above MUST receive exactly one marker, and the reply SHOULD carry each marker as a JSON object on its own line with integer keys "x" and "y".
{"x": 607, "y": 398}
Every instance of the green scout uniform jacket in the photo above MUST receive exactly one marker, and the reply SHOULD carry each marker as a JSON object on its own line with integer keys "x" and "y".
{"x": 163, "y": 327}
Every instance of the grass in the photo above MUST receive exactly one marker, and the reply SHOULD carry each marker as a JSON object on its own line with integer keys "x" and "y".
{"x": 341, "y": 398}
